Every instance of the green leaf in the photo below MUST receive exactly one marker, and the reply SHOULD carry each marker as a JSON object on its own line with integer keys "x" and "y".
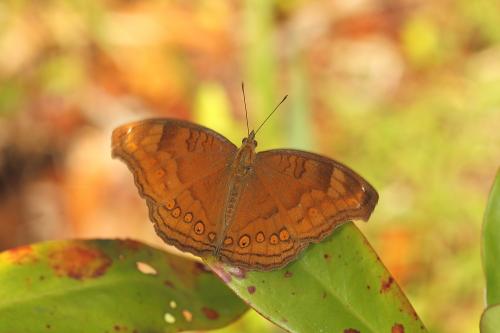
{"x": 491, "y": 244}
{"x": 338, "y": 285}
{"x": 109, "y": 286}
{"x": 490, "y": 320}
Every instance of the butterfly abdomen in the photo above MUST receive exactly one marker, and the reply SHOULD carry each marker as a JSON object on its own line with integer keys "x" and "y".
{"x": 230, "y": 206}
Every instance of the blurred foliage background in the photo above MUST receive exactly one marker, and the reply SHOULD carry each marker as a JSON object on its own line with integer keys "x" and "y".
{"x": 406, "y": 92}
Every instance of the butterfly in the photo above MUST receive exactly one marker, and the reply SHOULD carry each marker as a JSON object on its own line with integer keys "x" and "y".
{"x": 252, "y": 210}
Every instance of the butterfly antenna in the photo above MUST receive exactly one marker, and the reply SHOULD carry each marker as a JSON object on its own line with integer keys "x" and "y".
{"x": 245, "y": 102}
{"x": 276, "y": 108}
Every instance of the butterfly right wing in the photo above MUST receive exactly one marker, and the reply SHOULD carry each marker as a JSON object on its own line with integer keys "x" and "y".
{"x": 182, "y": 170}
{"x": 292, "y": 199}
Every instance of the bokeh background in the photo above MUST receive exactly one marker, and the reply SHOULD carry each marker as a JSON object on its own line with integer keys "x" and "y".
{"x": 406, "y": 92}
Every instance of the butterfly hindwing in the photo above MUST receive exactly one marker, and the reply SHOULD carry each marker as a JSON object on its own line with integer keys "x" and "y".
{"x": 261, "y": 236}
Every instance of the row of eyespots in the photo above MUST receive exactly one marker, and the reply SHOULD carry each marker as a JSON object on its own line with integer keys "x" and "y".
{"x": 199, "y": 227}
{"x": 244, "y": 241}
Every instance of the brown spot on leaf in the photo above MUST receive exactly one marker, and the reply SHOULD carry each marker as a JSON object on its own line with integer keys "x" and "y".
{"x": 398, "y": 328}
{"x": 251, "y": 289}
{"x": 210, "y": 313}
{"x": 386, "y": 285}
{"x": 351, "y": 330}
{"x": 323, "y": 295}
{"x": 169, "y": 284}
{"x": 21, "y": 255}
{"x": 288, "y": 274}
{"x": 79, "y": 261}
{"x": 122, "y": 328}
{"x": 326, "y": 256}
{"x": 201, "y": 268}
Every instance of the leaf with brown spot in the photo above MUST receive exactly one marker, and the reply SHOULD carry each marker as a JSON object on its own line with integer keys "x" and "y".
{"x": 317, "y": 288}
{"x": 44, "y": 287}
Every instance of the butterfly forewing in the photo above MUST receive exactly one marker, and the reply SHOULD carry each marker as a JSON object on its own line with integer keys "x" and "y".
{"x": 293, "y": 198}
{"x": 182, "y": 171}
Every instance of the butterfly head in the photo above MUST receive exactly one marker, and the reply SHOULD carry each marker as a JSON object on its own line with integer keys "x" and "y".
{"x": 246, "y": 154}
{"x": 250, "y": 140}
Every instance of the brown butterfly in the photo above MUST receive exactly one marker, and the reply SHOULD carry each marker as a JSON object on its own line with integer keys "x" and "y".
{"x": 251, "y": 210}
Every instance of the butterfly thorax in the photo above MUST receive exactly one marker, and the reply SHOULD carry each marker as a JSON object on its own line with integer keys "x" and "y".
{"x": 241, "y": 170}
{"x": 245, "y": 158}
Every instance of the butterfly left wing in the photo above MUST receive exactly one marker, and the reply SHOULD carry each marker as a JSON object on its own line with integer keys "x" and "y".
{"x": 293, "y": 198}
{"x": 182, "y": 170}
